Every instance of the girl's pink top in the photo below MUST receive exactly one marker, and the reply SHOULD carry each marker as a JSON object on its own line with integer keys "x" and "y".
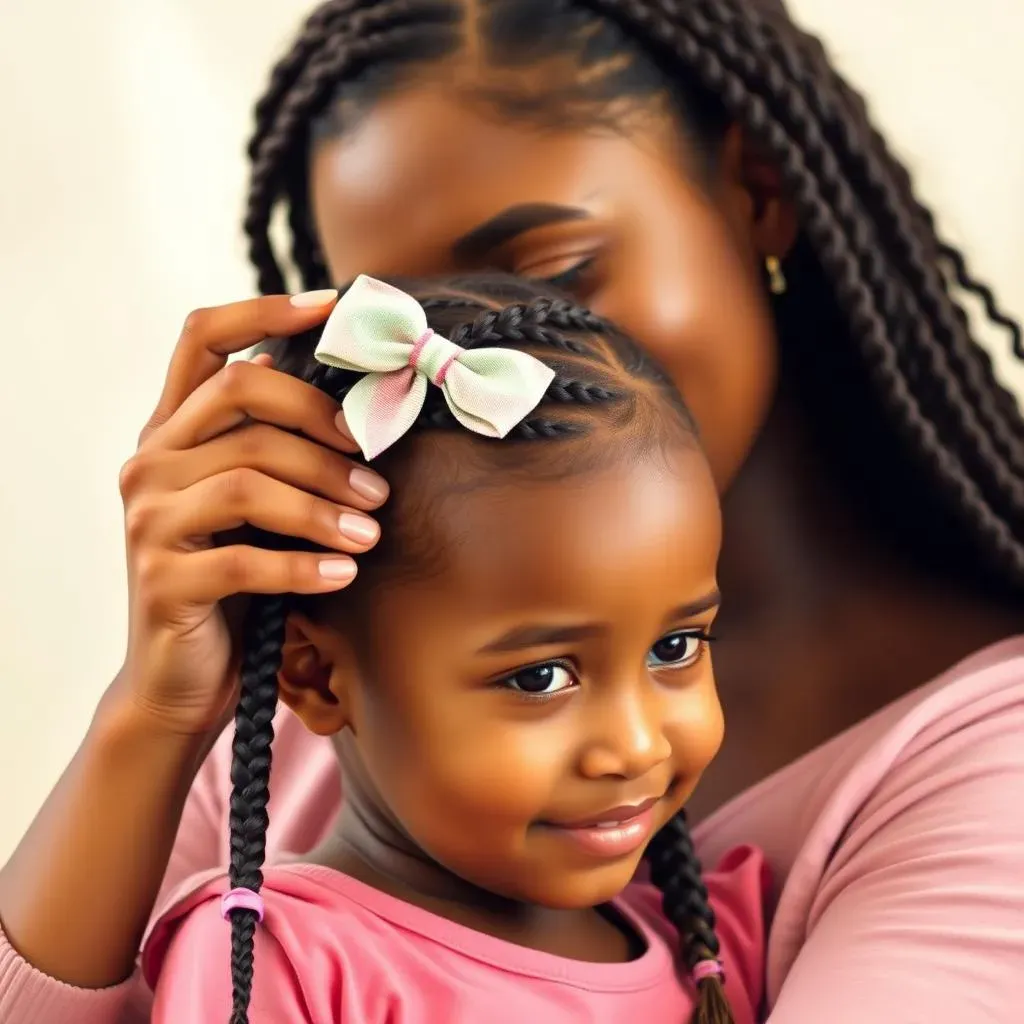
{"x": 896, "y": 852}
{"x": 332, "y": 950}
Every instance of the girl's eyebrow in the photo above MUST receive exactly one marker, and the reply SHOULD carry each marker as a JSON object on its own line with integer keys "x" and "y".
{"x": 701, "y": 604}
{"x": 514, "y": 220}
{"x": 538, "y": 634}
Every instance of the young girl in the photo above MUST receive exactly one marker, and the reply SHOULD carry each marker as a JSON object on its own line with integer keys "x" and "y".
{"x": 520, "y": 694}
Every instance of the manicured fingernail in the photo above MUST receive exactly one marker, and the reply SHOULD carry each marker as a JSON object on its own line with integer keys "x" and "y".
{"x": 337, "y": 568}
{"x": 368, "y": 484}
{"x": 309, "y": 300}
{"x": 339, "y": 422}
{"x": 361, "y": 529}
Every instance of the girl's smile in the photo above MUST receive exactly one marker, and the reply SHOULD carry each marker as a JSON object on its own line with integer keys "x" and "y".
{"x": 616, "y": 832}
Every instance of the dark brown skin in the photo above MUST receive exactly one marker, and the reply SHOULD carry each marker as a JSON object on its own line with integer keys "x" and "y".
{"x": 454, "y": 776}
{"x": 826, "y": 628}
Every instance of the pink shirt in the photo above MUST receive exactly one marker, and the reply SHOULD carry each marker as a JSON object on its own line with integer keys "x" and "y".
{"x": 335, "y": 951}
{"x": 897, "y": 850}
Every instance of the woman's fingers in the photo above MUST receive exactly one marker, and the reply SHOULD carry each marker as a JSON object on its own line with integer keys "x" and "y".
{"x": 243, "y": 497}
{"x": 209, "y": 336}
{"x": 170, "y": 580}
{"x": 244, "y": 391}
{"x": 287, "y": 457}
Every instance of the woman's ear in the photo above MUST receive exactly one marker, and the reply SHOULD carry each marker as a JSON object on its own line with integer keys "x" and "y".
{"x": 317, "y": 676}
{"x": 769, "y": 214}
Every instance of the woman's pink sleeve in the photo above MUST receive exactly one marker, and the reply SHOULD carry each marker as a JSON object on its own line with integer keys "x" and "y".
{"x": 29, "y": 997}
{"x": 919, "y": 915}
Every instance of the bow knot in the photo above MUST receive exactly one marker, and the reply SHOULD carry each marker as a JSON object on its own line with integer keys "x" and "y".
{"x": 433, "y": 356}
{"x": 379, "y": 330}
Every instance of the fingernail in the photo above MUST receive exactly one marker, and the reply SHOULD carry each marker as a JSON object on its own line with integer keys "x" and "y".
{"x": 337, "y": 569}
{"x": 368, "y": 484}
{"x": 309, "y": 300}
{"x": 342, "y": 425}
{"x": 358, "y": 528}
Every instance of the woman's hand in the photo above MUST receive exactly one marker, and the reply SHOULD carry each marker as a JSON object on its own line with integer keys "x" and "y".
{"x": 229, "y": 446}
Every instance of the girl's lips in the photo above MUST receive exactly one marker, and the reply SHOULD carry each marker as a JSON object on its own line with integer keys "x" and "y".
{"x": 616, "y": 832}
{"x": 614, "y": 815}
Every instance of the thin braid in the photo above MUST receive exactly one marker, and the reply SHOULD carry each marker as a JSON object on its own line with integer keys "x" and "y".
{"x": 250, "y": 779}
{"x": 363, "y": 34}
{"x": 675, "y": 870}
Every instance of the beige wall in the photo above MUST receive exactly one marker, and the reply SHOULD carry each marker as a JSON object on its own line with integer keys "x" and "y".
{"x": 120, "y": 185}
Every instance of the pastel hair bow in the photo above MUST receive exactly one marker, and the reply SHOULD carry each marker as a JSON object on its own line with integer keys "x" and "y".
{"x": 378, "y": 330}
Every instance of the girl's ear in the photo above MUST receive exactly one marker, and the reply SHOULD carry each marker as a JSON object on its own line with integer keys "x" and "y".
{"x": 318, "y": 675}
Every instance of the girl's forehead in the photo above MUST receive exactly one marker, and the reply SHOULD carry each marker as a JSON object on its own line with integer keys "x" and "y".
{"x": 636, "y": 539}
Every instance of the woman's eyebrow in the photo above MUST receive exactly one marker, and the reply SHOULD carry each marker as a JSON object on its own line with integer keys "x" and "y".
{"x": 510, "y": 222}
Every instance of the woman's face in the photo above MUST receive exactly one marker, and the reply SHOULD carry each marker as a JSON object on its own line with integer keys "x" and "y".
{"x": 426, "y": 184}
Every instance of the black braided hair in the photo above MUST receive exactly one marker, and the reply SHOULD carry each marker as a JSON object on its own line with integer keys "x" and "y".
{"x": 871, "y": 247}
{"x": 599, "y": 374}
{"x": 250, "y": 781}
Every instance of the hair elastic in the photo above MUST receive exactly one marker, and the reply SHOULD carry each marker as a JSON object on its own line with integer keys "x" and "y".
{"x": 708, "y": 969}
{"x": 242, "y": 899}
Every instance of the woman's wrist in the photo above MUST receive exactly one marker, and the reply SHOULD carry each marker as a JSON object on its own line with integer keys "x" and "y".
{"x": 124, "y": 727}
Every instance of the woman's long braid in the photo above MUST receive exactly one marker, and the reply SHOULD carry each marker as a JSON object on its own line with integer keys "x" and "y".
{"x": 988, "y": 493}
{"x": 250, "y": 780}
{"x": 365, "y": 32}
{"x": 906, "y": 226}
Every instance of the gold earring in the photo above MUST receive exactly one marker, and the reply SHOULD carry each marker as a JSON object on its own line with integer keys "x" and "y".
{"x": 776, "y": 278}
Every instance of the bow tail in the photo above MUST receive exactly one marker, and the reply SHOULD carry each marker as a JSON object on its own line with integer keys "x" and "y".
{"x": 382, "y": 407}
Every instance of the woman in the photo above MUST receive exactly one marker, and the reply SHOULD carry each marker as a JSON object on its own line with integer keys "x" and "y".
{"x": 697, "y": 172}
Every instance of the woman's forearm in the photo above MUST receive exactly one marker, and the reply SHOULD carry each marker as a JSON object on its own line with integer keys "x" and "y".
{"x": 77, "y": 893}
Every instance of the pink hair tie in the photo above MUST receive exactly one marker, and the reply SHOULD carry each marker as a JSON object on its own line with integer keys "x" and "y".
{"x": 242, "y": 899}
{"x": 708, "y": 969}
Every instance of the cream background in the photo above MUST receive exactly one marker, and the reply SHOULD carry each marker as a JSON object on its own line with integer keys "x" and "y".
{"x": 121, "y": 179}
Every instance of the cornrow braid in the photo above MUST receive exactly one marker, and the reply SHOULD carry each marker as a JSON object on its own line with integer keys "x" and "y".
{"x": 464, "y": 311}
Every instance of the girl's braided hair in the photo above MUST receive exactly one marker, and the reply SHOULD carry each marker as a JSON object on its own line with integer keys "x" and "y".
{"x": 601, "y": 379}
{"x": 871, "y": 311}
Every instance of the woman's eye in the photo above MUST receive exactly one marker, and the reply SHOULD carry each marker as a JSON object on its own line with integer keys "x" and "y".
{"x": 678, "y": 650}
{"x": 541, "y": 680}
{"x": 573, "y": 279}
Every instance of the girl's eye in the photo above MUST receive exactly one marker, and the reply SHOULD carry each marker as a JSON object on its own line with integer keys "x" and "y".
{"x": 678, "y": 650}
{"x": 574, "y": 278}
{"x": 541, "y": 680}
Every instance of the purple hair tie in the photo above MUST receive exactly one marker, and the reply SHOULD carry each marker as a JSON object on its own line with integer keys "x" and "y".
{"x": 242, "y": 899}
{"x": 708, "y": 969}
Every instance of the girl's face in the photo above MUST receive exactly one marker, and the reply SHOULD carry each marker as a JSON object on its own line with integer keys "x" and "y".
{"x": 550, "y": 674}
{"x": 426, "y": 184}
